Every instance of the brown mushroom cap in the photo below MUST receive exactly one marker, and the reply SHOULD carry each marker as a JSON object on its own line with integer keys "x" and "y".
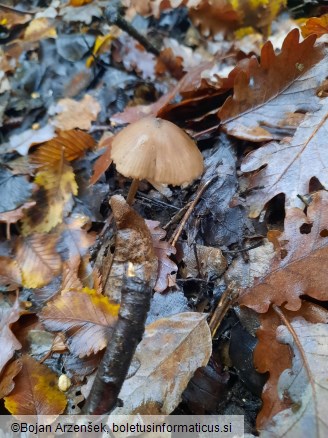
{"x": 157, "y": 150}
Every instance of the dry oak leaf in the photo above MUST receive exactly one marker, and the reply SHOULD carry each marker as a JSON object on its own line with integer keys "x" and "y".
{"x": 38, "y": 259}
{"x": 296, "y": 268}
{"x": 57, "y": 186}
{"x": 36, "y": 391}
{"x": 167, "y": 357}
{"x": 8, "y": 341}
{"x": 281, "y": 84}
{"x": 166, "y": 267}
{"x": 75, "y": 114}
{"x": 6, "y": 378}
{"x": 290, "y": 164}
{"x": 86, "y": 317}
{"x": 317, "y": 25}
{"x": 273, "y": 357}
{"x": 305, "y": 383}
{"x": 10, "y": 274}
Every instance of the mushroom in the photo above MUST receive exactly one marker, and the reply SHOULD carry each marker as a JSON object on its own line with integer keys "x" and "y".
{"x": 156, "y": 150}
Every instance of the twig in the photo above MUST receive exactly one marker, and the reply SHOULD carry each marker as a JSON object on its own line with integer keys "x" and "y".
{"x": 248, "y": 248}
{"x": 114, "y": 17}
{"x": 227, "y": 299}
{"x": 127, "y": 334}
{"x": 175, "y": 236}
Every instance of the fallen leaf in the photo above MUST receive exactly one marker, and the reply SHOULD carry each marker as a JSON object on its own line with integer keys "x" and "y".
{"x": 163, "y": 249}
{"x": 11, "y": 217}
{"x": 38, "y": 29}
{"x": 287, "y": 168}
{"x": 87, "y": 318}
{"x": 296, "y": 268}
{"x": 69, "y": 145}
{"x": 83, "y": 13}
{"x": 75, "y": 114}
{"x": 166, "y": 359}
{"x": 75, "y": 241}
{"x": 15, "y": 190}
{"x": 317, "y": 25}
{"x": 281, "y": 84}
{"x": 8, "y": 341}
{"x": 7, "y": 377}
{"x": 22, "y": 142}
{"x": 38, "y": 259}
{"x": 57, "y": 186}
{"x": 78, "y": 3}
{"x": 270, "y": 355}
{"x": 202, "y": 261}
{"x": 10, "y": 274}
{"x": 104, "y": 161}
{"x": 306, "y": 385}
{"x": 36, "y": 391}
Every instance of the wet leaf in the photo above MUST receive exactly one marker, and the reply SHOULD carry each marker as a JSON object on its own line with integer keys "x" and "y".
{"x": 296, "y": 268}
{"x": 11, "y": 217}
{"x": 287, "y": 168}
{"x": 22, "y": 142}
{"x": 166, "y": 267}
{"x": 281, "y": 84}
{"x": 36, "y": 391}
{"x": 38, "y": 259}
{"x": 87, "y": 318}
{"x": 167, "y": 357}
{"x": 8, "y": 341}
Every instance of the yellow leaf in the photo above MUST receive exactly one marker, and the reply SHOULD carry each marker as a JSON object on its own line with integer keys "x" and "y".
{"x": 57, "y": 185}
{"x": 36, "y": 391}
{"x": 78, "y": 3}
{"x": 101, "y": 44}
{"x": 38, "y": 29}
{"x": 38, "y": 260}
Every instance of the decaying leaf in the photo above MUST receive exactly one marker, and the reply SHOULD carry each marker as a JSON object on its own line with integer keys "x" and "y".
{"x": 133, "y": 243}
{"x": 7, "y": 377}
{"x": 287, "y": 169}
{"x": 38, "y": 259}
{"x": 75, "y": 114}
{"x": 281, "y": 84}
{"x": 306, "y": 385}
{"x": 166, "y": 267}
{"x": 38, "y": 29}
{"x": 166, "y": 359}
{"x": 8, "y": 341}
{"x": 274, "y": 357}
{"x": 36, "y": 391}
{"x": 202, "y": 261}
{"x": 297, "y": 268}
{"x": 87, "y": 318}
{"x": 21, "y": 143}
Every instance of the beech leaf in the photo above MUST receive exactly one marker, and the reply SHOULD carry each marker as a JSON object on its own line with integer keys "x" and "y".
{"x": 8, "y": 341}
{"x": 86, "y": 316}
{"x": 36, "y": 391}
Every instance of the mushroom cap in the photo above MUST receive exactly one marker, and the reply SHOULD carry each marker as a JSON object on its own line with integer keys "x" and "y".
{"x": 157, "y": 150}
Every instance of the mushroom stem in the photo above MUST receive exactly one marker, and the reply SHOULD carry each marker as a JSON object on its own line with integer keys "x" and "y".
{"x": 132, "y": 191}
